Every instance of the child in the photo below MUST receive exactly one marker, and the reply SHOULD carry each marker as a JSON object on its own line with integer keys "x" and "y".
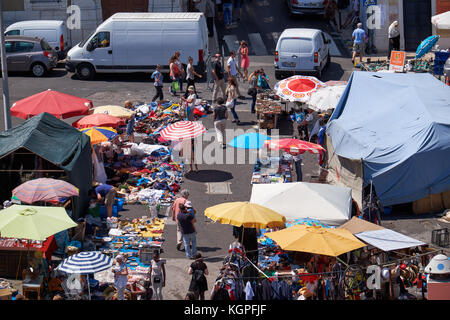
{"x": 158, "y": 77}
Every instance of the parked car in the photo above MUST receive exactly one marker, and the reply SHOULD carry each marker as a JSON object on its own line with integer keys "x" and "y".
{"x": 297, "y": 7}
{"x": 301, "y": 51}
{"x": 447, "y": 70}
{"x": 29, "y": 54}
{"x": 137, "y": 42}
{"x": 53, "y": 31}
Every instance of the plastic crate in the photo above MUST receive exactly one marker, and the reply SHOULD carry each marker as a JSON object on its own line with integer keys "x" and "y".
{"x": 119, "y": 203}
{"x": 104, "y": 215}
{"x": 440, "y": 237}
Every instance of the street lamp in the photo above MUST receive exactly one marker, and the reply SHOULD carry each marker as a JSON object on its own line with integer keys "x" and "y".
{"x": 6, "y": 112}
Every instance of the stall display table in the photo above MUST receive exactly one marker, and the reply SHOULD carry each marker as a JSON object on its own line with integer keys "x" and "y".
{"x": 33, "y": 285}
{"x": 13, "y": 254}
{"x": 268, "y": 107}
{"x": 272, "y": 170}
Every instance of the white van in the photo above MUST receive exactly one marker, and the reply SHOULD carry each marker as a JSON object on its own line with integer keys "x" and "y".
{"x": 53, "y": 31}
{"x": 137, "y": 42}
{"x": 301, "y": 51}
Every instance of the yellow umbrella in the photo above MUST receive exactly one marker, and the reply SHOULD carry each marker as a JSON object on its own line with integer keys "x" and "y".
{"x": 99, "y": 134}
{"x": 115, "y": 111}
{"x": 246, "y": 214}
{"x": 317, "y": 240}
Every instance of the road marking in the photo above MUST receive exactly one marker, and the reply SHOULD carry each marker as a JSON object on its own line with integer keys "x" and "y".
{"x": 231, "y": 41}
{"x": 218, "y": 188}
{"x": 257, "y": 44}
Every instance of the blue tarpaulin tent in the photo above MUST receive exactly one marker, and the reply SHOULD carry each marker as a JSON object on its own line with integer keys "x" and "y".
{"x": 397, "y": 126}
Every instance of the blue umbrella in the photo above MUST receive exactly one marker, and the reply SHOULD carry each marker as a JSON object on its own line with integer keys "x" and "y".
{"x": 426, "y": 46}
{"x": 250, "y": 140}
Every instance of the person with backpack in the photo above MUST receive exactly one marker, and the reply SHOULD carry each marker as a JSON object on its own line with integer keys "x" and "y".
{"x": 199, "y": 271}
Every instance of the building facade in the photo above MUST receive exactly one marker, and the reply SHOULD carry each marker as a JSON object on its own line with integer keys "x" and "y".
{"x": 91, "y": 12}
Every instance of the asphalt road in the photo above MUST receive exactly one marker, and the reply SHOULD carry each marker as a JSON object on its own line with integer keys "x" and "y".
{"x": 263, "y": 18}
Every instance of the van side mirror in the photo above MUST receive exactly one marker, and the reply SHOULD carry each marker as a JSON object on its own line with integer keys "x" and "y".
{"x": 90, "y": 47}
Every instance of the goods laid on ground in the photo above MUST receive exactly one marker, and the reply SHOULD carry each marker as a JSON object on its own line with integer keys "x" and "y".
{"x": 268, "y": 107}
{"x": 272, "y": 170}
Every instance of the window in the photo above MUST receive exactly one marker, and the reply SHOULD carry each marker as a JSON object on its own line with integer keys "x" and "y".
{"x": 101, "y": 40}
{"x": 13, "y": 33}
{"x": 299, "y": 45}
{"x": 8, "y": 46}
{"x": 22, "y": 46}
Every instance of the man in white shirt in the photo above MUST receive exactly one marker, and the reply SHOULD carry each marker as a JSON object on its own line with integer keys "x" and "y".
{"x": 233, "y": 70}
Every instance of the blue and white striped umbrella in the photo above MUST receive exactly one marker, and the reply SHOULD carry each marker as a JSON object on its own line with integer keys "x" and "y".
{"x": 86, "y": 263}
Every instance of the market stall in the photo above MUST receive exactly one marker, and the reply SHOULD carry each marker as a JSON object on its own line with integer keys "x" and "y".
{"x": 272, "y": 170}
{"x": 268, "y": 109}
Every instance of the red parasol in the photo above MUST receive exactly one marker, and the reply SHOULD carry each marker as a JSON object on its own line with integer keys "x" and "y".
{"x": 182, "y": 130}
{"x": 58, "y": 104}
{"x": 98, "y": 120}
{"x": 298, "y": 88}
{"x": 294, "y": 146}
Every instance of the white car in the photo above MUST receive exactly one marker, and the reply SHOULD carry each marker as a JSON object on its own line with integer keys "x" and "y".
{"x": 305, "y": 6}
{"x": 301, "y": 51}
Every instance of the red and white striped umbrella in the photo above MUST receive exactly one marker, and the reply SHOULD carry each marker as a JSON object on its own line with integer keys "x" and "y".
{"x": 298, "y": 88}
{"x": 44, "y": 189}
{"x": 294, "y": 146}
{"x": 182, "y": 130}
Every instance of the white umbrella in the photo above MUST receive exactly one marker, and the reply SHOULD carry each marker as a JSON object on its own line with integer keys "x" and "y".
{"x": 441, "y": 21}
{"x": 326, "y": 98}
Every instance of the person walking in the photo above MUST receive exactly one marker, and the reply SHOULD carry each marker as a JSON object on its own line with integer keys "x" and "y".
{"x": 231, "y": 93}
{"x": 358, "y": 37}
{"x": 210, "y": 14}
{"x": 220, "y": 116}
{"x": 233, "y": 70}
{"x": 245, "y": 61}
{"x": 158, "y": 77}
{"x": 174, "y": 74}
{"x": 394, "y": 38}
{"x": 298, "y": 166}
{"x": 253, "y": 89}
{"x": 177, "y": 54}
{"x": 330, "y": 14}
{"x": 219, "y": 76}
{"x": 227, "y": 13}
{"x": 184, "y": 195}
{"x": 199, "y": 271}
{"x": 238, "y": 10}
{"x": 187, "y": 227}
{"x": 120, "y": 271}
{"x": 190, "y": 77}
{"x": 157, "y": 275}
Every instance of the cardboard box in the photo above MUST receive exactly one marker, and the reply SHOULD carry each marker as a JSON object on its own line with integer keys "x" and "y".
{"x": 5, "y": 294}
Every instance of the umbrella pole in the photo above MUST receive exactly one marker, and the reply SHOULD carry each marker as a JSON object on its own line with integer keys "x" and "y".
{"x": 89, "y": 287}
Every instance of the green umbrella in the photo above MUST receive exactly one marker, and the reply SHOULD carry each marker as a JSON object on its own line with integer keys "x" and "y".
{"x": 33, "y": 222}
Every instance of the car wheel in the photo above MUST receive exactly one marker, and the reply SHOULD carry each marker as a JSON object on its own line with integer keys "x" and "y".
{"x": 38, "y": 70}
{"x": 85, "y": 71}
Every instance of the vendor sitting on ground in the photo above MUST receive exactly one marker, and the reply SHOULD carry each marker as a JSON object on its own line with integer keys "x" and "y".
{"x": 105, "y": 193}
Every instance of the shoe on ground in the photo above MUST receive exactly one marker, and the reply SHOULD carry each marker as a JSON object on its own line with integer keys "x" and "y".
{"x": 179, "y": 247}
{"x": 241, "y": 97}
{"x": 233, "y": 121}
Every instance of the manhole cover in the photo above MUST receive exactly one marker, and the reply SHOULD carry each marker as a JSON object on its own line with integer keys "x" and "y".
{"x": 218, "y": 188}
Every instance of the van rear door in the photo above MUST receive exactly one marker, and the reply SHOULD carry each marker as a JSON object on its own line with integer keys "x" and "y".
{"x": 296, "y": 54}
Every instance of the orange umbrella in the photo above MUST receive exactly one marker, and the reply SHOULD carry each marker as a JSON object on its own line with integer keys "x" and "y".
{"x": 98, "y": 120}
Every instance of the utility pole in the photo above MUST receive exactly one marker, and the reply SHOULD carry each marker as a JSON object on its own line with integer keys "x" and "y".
{"x": 6, "y": 112}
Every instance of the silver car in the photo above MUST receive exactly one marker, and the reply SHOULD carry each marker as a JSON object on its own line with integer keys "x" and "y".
{"x": 29, "y": 54}
{"x": 297, "y": 7}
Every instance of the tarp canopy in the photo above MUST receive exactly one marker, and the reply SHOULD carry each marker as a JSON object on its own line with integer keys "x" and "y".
{"x": 357, "y": 225}
{"x": 327, "y": 203}
{"x": 388, "y": 240}
{"x": 398, "y": 126}
{"x": 59, "y": 143}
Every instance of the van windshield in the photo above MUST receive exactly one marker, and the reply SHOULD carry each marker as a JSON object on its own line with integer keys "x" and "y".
{"x": 296, "y": 45}
{"x": 82, "y": 43}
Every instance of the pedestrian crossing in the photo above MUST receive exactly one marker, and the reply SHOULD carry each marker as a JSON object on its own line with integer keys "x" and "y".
{"x": 258, "y": 47}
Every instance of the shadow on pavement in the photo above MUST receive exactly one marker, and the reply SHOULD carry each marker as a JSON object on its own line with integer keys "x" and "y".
{"x": 208, "y": 249}
{"x": 332, "y": 72}
{"x": 209, "y": 176}
{"x": 55, "y": 73}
